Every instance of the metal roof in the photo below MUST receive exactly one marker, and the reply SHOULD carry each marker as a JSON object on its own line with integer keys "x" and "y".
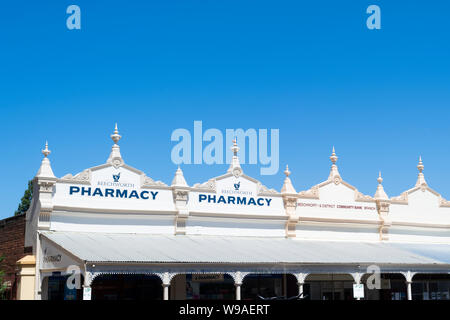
{"x": 144, "y": 248}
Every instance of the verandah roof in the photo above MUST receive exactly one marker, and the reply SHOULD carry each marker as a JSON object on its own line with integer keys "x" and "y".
{"x": 144, "y": 248}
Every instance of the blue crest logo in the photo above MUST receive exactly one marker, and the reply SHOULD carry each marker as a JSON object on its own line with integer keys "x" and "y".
{"x": 116, "y": 177}
{"x": 237, "y": 186}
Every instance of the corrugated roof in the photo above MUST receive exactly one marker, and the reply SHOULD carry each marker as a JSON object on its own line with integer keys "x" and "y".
{"x": 107, "y": 247}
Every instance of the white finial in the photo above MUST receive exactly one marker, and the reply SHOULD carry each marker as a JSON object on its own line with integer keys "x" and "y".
{"x": 334, "y": 170}
{"x": 380, "y": 179}
{"x": 115, "y": 158}
{"x": 235, "y": 167}
{"x": 116, "y": 136}
{"x": 46, "y": 152}
{"x": 380, "y": 194}
{"x": 287, "y": 185}
{"x": 235, "y": 147}
{"x": 45, "y": 170}
{"x": 287, "y": 172}
{"x": 421, "y": 177}
{"x": 333, "y": 157}
{"x": 420, "y": 166}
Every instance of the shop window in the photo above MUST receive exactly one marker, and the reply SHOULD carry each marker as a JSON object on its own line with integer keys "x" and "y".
{"x": 210, "y": 287}
{"x": 59, "y": 290}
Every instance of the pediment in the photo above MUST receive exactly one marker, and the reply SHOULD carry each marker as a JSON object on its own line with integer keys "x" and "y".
{"x": 421, "y": 196}
{"x": 335, "y": 190}
{"x": 109, "y": 173}
{"x": 230, "y": 181}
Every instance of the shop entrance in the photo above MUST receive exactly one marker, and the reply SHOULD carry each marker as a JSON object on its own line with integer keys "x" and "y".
{"x": 257, "y": 286}
{"x": 127, "y": 287}
{"x": 392, "y": 287}
{"x": 202, "y": 286}
{"x": 431, "y": 287}
{"x": 56, "y": 287}
{"x": 329, "y": 287}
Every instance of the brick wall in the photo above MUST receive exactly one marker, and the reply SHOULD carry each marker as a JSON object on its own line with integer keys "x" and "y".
{"x": 12, "y": 240}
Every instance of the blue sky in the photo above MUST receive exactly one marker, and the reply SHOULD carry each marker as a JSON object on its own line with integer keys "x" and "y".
{"x": 312, "y": 70}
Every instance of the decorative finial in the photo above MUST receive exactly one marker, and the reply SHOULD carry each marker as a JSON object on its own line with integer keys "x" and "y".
{"x": 333, "y": 157}
{"x": 235, "y": 147}
{"x": 380, "y": 179}
{"x": 287, "y": 185}
{"x": 287, "y": 172}
{"x": 45, "y": 171}
{"x": 115, "y": 157}
{"x": 421, "y": 177}
{"x": 46, "y": 152}
{"x": 235, "y": 167}
{"x": 116, "y": 136}
{"x": 380, "y": 194}
{"x": 420, "y": 166}
{"x": 334, "y": 172}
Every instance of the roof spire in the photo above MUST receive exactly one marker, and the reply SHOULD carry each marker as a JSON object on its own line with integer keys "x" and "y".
{"x": 380, "y": 194}
{"x": 334, "y": 169}
{"x": 178, "y": 180}
{"x": 421, "y": 177}
{"x": 235, "y": 166}
{"x": 287, "y": 185}
{"x": 46, "y": 152}
{"x": 45, "y": 171}
{"x": 115, "y": 158}
{"x": 116, "y": 136}
{"x": 333, "y": 157}
{"x": 379, "y": 179}
{"x": 287, "y": 172}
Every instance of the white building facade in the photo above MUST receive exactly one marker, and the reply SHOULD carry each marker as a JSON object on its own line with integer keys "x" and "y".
{"x": 131, "y": 237}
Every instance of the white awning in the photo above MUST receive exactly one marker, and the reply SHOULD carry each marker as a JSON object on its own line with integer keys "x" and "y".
{"x": 143, "y": 248}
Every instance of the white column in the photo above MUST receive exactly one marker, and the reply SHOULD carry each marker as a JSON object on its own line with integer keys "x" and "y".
{"x": 300, "y": 288}
{"x": 238, "y": 290}
{"x": 409, "y": 275}
{"x": 166, "y": 291}
{"x": 301, "y": 277}
{"x": 408, "y": 290}
{"x": 166, "y": 284}
{"x": 238, "y": 276}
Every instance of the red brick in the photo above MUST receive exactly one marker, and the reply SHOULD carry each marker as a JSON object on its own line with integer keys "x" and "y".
{"x": 12, "y": 241}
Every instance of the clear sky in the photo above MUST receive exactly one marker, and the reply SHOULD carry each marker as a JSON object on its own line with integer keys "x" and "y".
{"x": 311, "y": 69}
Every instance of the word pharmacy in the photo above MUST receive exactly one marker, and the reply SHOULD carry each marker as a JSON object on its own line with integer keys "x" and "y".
{"x": 118, "y": 234}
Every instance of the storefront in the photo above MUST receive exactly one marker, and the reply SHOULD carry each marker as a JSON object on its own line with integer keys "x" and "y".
{"x": 111, "y": 232}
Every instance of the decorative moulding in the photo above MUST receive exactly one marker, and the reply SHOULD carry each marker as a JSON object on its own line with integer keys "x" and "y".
{"x": 263, "y": 190}
{"x": 362, "y": 197}
{"x": 117, "y": 162}
{"x": 82, "y": 177}
{"x": 401, "y": 199}
{"x": 237, "y": 172}
{"x": 312, "y": 193}
{"x": 209, "y": 185}
{"x": 444, "y": 203}
{"x": 147, "y": 182}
